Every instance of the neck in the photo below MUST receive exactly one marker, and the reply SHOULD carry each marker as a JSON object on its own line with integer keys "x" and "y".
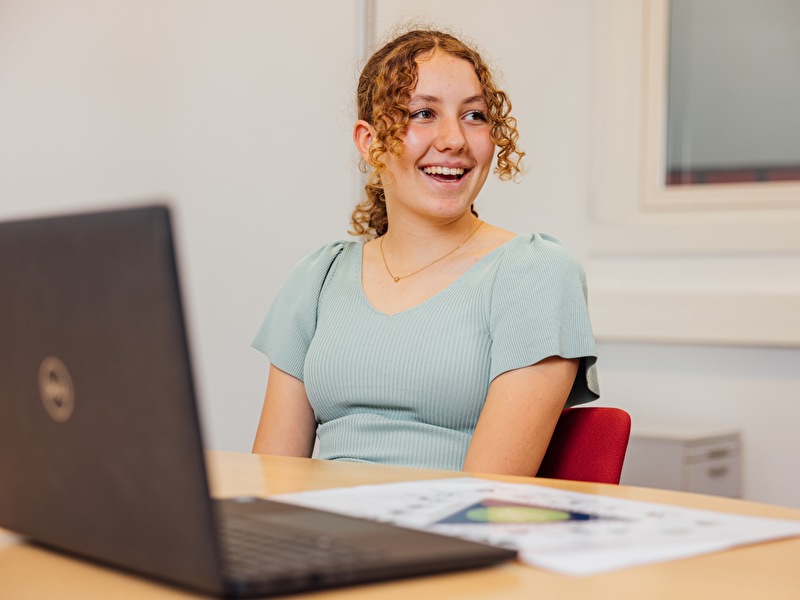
{"x": 423, "y": 251}
{"x": 408, "y": 239}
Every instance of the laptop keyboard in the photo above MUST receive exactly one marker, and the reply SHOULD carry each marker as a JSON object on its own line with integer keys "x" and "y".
{"x": 255, "y": 550}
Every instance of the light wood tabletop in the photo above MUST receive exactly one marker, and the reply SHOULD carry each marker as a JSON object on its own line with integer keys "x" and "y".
{"x": 768, "y": 570}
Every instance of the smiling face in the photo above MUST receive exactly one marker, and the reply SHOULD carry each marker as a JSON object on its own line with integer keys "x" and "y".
{"x": 447, "y": 148}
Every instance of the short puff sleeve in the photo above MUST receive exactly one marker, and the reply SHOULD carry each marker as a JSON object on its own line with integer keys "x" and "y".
{"x": 539, "y": 309}
{"x": 289, "y": 326}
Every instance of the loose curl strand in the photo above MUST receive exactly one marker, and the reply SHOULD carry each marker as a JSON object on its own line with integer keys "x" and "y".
{"x": 384, "y": 89}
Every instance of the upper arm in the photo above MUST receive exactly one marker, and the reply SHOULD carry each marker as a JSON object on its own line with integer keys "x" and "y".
{"x": 519, "y": 416}
{"x": 287, "y": 426}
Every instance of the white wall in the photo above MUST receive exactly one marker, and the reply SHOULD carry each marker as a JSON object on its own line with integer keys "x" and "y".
{"x": 235, "y": 112}
{"x": 240, "y": 112}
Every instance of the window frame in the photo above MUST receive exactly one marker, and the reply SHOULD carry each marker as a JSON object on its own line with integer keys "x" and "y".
{"x": 635, "y": 215}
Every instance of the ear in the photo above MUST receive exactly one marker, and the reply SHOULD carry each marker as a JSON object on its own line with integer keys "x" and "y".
{"x": 363, "y": 135}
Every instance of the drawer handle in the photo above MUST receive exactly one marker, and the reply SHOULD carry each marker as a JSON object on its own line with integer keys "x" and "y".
{"x": 720, "y": 453}
{"x": 718, "y": 471}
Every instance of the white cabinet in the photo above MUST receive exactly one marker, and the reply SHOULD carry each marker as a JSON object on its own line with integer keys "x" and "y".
{"x": 706, "y": 462}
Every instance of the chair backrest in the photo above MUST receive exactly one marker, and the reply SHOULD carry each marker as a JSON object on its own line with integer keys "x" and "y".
{"x": 588, "y": 444}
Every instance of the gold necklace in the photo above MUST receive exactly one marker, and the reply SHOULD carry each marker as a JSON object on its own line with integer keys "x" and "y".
{"x": 399, "y": 277}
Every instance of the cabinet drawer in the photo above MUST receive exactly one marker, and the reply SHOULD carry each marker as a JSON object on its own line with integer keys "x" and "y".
{"x": 717, "y": 477}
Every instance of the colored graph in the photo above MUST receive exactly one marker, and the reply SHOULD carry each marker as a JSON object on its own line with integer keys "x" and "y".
{"x": 500, "y": 512}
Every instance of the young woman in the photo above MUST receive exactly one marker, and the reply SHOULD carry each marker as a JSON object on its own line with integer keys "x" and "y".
{"x": 442, "y": 341}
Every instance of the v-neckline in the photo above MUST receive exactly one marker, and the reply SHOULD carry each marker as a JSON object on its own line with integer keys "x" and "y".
{"x": 433, "y": 297}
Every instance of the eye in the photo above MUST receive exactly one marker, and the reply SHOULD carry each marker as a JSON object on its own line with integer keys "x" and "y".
{"x": 476, "y": 115}
{"x": 423, "y": 113}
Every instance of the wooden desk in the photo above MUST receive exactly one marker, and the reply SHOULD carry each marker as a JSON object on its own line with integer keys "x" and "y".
{"x": 770, "y": 571}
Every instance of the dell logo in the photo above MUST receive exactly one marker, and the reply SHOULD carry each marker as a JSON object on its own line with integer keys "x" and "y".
{"x": 55, "y": 389}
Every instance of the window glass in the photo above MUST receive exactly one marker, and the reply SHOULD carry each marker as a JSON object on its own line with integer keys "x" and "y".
{"x": 734, "y": 91}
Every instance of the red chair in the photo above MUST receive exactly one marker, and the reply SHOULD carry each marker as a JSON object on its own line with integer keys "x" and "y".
{"x": 588, "y": 444}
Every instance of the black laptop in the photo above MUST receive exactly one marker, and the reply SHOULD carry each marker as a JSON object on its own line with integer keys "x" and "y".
{"x": 100, "y": 448}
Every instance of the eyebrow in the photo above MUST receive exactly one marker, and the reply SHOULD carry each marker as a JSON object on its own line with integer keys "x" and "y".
{"x": 426, "y": 99}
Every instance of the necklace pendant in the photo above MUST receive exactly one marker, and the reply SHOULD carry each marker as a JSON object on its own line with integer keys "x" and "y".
{"x": 396, "y": 279}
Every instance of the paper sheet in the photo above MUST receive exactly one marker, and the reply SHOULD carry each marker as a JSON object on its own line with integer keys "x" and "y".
{"x": 567, "y": 532}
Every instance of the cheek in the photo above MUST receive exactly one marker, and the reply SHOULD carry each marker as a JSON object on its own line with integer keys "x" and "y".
{"x": 484, "y": 149}
{"x": 413, "y": 144}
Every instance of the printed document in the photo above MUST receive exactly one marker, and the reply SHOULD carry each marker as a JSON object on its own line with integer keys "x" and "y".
{"x": 567, "y": 532}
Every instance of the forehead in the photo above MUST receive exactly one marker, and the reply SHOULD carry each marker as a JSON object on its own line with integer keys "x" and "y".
{"x": 440, "y": 72}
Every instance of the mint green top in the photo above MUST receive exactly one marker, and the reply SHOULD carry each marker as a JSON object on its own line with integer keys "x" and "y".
{"x": 407, "y": 389}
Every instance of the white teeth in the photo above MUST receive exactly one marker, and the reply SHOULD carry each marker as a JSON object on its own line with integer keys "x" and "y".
{"x": 444, "y": 170}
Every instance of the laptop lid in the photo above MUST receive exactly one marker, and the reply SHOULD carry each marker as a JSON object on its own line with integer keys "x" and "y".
{"x": 100, "y": 450}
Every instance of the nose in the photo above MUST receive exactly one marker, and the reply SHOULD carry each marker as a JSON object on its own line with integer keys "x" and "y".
{"x": 450, "y": 135}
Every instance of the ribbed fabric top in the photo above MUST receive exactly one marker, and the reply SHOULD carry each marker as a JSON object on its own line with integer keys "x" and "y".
{"x": 407, "y": 389}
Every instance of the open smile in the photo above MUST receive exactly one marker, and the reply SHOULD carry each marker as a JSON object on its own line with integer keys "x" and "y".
{"x": 445, "y": 174}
